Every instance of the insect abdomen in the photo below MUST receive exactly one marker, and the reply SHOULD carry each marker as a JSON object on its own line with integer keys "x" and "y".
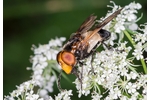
{"x": 104, "y": 34}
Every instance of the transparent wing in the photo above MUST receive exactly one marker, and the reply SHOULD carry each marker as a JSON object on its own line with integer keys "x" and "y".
{"x": 101, "y": 25}
{"x": 108, "y": 19}
{"x": 87, "y": 24}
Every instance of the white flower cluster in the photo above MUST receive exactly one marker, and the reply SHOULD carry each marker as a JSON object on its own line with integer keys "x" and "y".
{"x": 141, "y": 43}
{"x": 43, "y": 65}
{"x": 107, "y": 75}
{"x": 42, "y": 70}
{"x": 24, "y": 91}
{"x": 114, "y": 71}
{"x": 126, "y": 20}
{"x": 64, "y": 95}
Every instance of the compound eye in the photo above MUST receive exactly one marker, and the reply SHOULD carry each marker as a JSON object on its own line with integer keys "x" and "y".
{"x": 68, "y": 58}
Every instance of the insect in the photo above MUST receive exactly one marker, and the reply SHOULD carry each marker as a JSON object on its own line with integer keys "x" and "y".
{"x": 83, "y": 43}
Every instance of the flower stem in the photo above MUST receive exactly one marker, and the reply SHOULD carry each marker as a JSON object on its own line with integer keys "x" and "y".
{"x": 133, "y": 43}
{"x": 129, "y": 37}
{"x": 144, "y": 66}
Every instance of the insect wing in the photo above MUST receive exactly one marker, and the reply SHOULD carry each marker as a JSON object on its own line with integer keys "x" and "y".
{"x": 82, "y": 31}
{"x": 101, "y": 25}
{"x": 108, "y": 19}
{"x": 87, "y": 24}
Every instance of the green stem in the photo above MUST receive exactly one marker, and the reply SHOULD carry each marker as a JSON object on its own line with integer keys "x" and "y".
{"x": 144, "y": 65}
{"x": 99, "y": 91}
{"x": 129, "y": 37}
{"x": 133, "y": 43}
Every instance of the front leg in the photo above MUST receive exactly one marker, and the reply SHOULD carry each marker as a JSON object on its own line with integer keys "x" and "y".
{"x": 58, "y": 82}
{"x": 76, "y": 73}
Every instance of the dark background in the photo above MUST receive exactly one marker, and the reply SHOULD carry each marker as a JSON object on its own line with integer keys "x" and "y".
{"x": 27, "y": 22}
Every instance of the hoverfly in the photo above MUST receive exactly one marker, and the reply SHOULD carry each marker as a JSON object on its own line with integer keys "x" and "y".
{"x": 83, "y": 43}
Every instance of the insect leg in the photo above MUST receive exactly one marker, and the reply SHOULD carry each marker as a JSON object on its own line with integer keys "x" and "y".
{"x": 76, "y": 73}
{"x": 81, "y": 63}
{"x": 111, "y": 48}
{"x": 81, "y": 76}
{"x": 58, "y": 81}
{"x": 107, "y": 46}
{"x": 92, "y": 68}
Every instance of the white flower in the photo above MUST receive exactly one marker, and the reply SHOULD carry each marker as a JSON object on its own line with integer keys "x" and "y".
{"x": 133, "y": 26}
{"x": 114, "y": 93}
{"x": 43, "y": 93}
{"x": 42, "y": 70}
{"x": 64, "y": 95}
{"x": 138, "y": 51}
{"x": 145, "y": 89}
{"x": 8, "y": 98}
{"x": 141, "y": 37}
{"x": 134, "y": 5}
{"x": 142, "y": 81}
{"x": 107, "y": 65}
{"x": 130, "y": 16}
{"x": 85, "y": 82}
{"x": 41, "y": 49}
{"x": 31, "y": 96}
{"x": 123, "y": 97}
{"x": 132, "y": 75}
{"x": 131, "y": 88}
{"x": 96, "y": 96}
{"x": 39, "y": 59}
{"x": 134, "y": 96}
{"x": 24, "y": 88}
{"x": 124, "y": 71}
{"x": 144, "y": 30}
{"x": 51, "y": 54}
{"x": 57, "y": 41}
{"x": 119, "y": 26}
{"x": 144, "y": 97}
{"x": 50, "y": 84}
{"x": 50, "y": 98}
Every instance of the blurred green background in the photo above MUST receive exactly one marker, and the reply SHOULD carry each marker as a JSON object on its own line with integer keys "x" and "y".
{"x": 27, "y": 22}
